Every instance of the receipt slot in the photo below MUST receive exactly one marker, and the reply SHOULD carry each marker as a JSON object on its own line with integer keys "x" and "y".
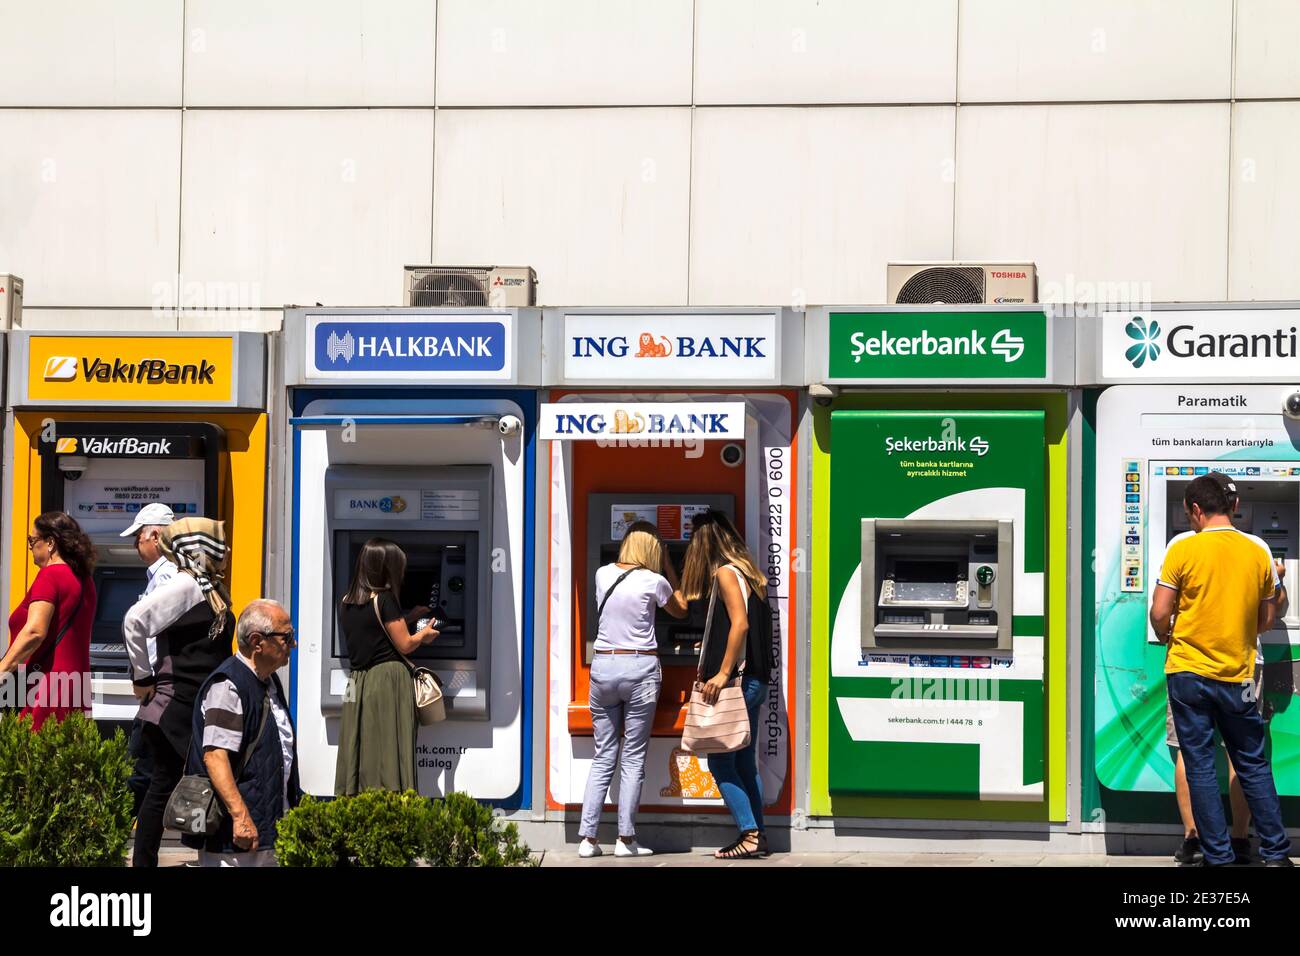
{"x": 933, "y": 586}
{"x": 441, "y": 518}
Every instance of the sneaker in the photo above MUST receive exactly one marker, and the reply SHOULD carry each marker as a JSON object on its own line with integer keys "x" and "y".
{"x": 1280, "y": 861}
{"x": 587, "y": 849}
{"x": 1189, "y": 854}
{"x": 631, "y": 849}
{"x": 1241, "y": 851}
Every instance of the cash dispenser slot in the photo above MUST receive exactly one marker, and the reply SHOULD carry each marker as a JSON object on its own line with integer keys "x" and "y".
{"x": 936, "y": 585}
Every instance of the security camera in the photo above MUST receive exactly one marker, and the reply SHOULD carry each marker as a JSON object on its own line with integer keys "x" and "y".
{"x": 732, "y": 455}
{"x": 73, "y": 466}
{"x": 509, "y": 425}
{"x": 1291, "y": 407}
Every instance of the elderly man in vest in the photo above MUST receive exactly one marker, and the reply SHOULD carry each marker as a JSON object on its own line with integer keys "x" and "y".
{"x": 243, "y": 739}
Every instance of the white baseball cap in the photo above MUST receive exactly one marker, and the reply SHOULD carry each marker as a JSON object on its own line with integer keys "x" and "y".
{"x": 155, "y": 512}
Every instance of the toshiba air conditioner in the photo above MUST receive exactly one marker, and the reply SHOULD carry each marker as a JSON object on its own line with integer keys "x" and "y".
{"x": 961, "y": 283}
{"x": 497, "y": 287}
{"x": 11, "y": 302}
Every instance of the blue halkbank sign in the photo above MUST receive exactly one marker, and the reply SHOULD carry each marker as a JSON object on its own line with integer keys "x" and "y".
{"x": 420, "y": 346}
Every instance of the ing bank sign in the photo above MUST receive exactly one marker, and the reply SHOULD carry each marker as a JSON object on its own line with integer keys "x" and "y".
{"x": 656, "y": 347}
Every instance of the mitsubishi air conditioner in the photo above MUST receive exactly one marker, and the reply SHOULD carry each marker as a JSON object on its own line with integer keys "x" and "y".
{"x": 11, "y": 302}
{"x": 497, "y": 287}
{"x": 961, "y": 283}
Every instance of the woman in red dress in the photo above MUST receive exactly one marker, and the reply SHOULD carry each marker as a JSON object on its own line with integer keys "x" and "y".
{"x": 49, "y": 646}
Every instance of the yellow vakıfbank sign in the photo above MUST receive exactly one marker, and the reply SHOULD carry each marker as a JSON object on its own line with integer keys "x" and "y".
{"x": 131, "y": 368}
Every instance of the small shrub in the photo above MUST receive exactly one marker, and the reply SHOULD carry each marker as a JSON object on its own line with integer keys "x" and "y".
{"x": 465, "y": 833}
{"x": 64, "y": 799}
{"x": 381, "y": 828}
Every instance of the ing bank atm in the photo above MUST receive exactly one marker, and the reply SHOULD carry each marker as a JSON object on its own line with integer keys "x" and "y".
{"x": 441, "y": 518}
{"x": 102, "y": 473}
{"x": 609, "y": 515}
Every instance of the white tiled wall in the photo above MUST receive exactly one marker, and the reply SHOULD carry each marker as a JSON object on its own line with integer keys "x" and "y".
{"x": 594, "y": 200}
{"x": 793, "y": 206}
{"x": 1128, "y": 193}
{"x": 825, "y": 51}
{"x": 637, "y": 151}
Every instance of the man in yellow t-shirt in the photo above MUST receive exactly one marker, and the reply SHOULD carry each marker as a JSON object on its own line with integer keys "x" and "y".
{"x": 1213, "y": 597}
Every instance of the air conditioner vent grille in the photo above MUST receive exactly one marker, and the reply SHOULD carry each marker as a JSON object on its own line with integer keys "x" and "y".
{"x": 449, "y": 288}
{"x": 951, "y": 285}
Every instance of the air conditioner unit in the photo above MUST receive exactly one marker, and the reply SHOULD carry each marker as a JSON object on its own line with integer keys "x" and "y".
{"x": 11, "y": 302}
{"x": 961, "y": 283}
{"x": 497, "y": 287}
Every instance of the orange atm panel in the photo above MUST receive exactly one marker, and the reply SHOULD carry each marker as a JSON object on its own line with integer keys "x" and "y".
{"x": 612, "y": 486}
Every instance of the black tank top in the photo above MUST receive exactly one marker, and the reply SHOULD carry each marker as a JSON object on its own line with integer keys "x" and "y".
{"x": 759, "y": 655}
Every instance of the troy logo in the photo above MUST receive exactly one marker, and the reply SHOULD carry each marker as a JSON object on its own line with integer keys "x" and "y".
{"x": 652, "y": 349}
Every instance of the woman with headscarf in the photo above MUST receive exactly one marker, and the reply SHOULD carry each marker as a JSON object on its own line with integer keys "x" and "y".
{"x": 176, "y": 636}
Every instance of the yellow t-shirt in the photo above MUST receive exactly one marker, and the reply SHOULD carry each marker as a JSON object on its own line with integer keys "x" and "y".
{"x": 1221, "y": 577}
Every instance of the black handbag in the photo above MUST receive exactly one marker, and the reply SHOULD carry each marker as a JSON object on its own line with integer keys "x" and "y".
{"x": 194, "y": 806}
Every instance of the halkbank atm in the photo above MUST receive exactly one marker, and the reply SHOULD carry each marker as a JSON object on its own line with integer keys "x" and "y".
{"x": 939, "y": 557}
{"x": 102, "y": 425}
{"x": 417, "y": 425}
{"x": 658, "y": 415}
{"x": 1179, "y": 391}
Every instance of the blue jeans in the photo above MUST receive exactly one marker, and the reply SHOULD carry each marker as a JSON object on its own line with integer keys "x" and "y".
{"x": 1199, "y": 705}
{"x": 736, "y": 773}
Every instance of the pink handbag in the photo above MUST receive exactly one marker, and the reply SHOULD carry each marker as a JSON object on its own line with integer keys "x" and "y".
{"x": 721, "y": 727}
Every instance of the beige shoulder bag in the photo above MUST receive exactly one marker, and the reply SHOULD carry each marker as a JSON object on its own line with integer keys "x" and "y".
{"x": 721, "y": 727}
{"x": 429, "y": 705}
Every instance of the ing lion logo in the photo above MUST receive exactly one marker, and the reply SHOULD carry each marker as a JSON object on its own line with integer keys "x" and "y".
{"x": 686, "y": 778}
{"x": 652, "y": 349}
{"x": 625, "y": 424}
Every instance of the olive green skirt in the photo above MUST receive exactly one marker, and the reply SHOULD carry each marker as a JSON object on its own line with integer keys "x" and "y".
{"x": 377, "y": 732}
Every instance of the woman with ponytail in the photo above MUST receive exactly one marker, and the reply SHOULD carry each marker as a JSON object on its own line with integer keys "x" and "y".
{"x": 50, "y": 628}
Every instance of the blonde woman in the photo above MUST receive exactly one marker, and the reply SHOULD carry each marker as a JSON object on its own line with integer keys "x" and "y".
{"x": 625, "y": 679}
{"x": 739, "y": 644}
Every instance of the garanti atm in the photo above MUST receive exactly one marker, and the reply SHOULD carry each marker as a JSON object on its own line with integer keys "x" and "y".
{"x": 939, "y": 557}
{"x": 417, "y": 425}
{"x": 659, "y": 415}
{"x": 1179, "y": 391}
{"x": 102, "y": 425}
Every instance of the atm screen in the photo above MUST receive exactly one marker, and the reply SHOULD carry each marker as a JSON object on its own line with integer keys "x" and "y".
{"x": 927, "y": 571}
{"x": 114, "y": 597}
{"x": 436, "y": 576}
{"x": 116, "y": 589}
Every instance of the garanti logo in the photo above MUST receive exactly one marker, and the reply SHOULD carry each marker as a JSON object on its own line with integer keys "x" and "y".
{"x": 1146, "y": 348}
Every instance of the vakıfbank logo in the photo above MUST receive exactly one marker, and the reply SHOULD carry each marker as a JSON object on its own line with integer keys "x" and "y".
{"x": 65, "y": 446}
{"x": 60, "y": 368}
{"x": 1147, "y": 345}
{"x": 939, "y": 345}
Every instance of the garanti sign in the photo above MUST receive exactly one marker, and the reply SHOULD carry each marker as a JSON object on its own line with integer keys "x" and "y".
{"x": 944, "y": 346}
{"x": 1198, "y": 344}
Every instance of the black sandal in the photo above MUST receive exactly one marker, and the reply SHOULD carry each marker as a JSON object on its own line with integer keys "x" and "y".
{"x": 738, "y": 851}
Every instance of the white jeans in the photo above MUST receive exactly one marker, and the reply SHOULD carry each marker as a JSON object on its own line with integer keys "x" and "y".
{"x": 624, "y": 691}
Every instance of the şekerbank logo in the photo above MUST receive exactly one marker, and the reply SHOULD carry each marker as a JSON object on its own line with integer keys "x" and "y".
{"x": 454, "y": 345}
{"x": 938, "y": 345}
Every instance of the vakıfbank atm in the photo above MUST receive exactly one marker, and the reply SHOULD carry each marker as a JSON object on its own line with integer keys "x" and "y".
{"x": 1181, "y": 390}
{"x": 658, "y": 415}
{"x": 102, "y": 424}
{"x": 939, "y": 556}
{"x": 417, "y": 425}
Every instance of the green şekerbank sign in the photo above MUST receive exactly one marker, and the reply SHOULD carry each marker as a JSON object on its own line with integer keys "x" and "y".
{"x": 941, "y": 345}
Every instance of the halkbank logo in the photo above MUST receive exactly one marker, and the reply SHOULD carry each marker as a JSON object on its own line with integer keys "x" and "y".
{"x": 938, "y": 345}
{"x": 1147, "y": 347}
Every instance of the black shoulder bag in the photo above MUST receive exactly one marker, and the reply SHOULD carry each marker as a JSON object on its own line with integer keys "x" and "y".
{"x": 194, "y": 806}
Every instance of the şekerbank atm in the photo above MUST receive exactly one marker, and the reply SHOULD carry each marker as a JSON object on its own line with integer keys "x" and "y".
{"x": 103, "y": 423}
{"x": 1177, "y": 391}
{"x": 417, "y": 425}
{"x": 939, "y": 563}
{"x": 657, "y": 415}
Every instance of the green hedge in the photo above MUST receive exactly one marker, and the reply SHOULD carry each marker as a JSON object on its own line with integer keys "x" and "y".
{"x": 381, "y": 828}
{"x": 64, "y": 799}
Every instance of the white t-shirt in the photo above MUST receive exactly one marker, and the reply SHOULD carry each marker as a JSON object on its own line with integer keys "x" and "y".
{"x": 628, "y": 621}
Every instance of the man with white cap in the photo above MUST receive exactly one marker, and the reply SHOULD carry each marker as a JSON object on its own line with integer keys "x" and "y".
{"x": 148, "y": 525}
